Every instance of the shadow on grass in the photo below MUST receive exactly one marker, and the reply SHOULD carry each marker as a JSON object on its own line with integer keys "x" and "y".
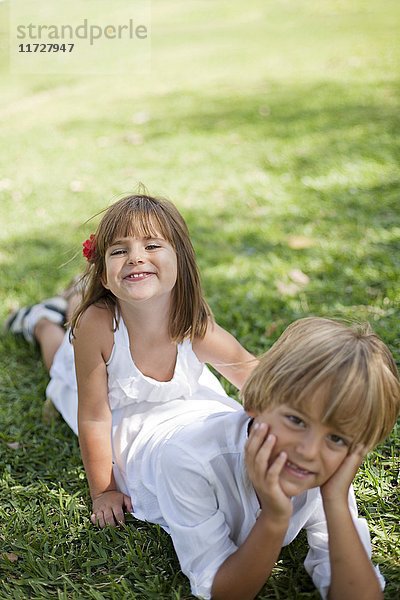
{"x": 32, "y": 267}
{"x": 321, "y": 123}
{"x": 244, "y": 255}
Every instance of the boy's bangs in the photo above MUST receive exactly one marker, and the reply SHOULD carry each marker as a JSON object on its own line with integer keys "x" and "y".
{"x": 346, "y": 407}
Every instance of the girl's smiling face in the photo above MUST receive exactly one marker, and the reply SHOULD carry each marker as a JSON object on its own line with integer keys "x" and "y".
{"x": 140, "y": 268}
{"x": 314, "y": 450}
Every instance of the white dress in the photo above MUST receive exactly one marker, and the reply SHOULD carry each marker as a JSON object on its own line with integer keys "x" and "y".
{"x": 144, "y": 410}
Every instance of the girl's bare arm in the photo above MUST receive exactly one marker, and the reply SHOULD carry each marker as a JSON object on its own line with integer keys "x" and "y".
{"x": 221, "y": 350}
{"x": 92, "y": 346}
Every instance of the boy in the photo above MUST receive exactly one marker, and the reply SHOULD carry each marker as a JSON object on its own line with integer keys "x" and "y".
{"x": 234, "y": 487}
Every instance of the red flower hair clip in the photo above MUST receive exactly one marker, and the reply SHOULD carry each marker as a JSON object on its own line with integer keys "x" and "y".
{"x": 89, "y": 248}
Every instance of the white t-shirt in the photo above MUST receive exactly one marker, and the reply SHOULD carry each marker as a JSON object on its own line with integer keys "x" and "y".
{"x": 195, "y": 485}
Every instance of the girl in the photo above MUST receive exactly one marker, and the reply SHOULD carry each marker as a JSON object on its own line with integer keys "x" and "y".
{"x": 141, "y": 333}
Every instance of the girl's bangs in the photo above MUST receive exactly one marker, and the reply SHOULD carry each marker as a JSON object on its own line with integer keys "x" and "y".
{"x": 139, "y": 224}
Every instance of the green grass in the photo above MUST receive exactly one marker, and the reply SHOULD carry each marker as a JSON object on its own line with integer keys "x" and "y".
{"x": 268, "y": 124}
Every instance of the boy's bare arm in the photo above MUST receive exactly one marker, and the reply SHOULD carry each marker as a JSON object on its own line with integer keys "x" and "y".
{"x": 244, "y": 572}
{"x": 352, "y": 574}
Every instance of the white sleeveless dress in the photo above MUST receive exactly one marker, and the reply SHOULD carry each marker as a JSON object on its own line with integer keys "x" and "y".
{"x": 144, "y": 410}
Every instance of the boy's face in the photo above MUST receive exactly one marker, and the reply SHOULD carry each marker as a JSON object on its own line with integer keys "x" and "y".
{"x": 314, "y": 450}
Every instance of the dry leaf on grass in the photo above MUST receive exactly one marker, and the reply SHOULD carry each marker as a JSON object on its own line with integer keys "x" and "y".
{"x": 76, "y": 186}
{"x": 5, "y": 184}
{"x": 272, "y": 327}
{"x": 300, "y": 242}
{"x": 298, "y": 281}
{"x": 11, "y": 556}
{"x": 287, "y": 289}
{"x": 136, "y": 139}
{"x": 297, "y": 276}
{"x": 140, "y": 118}
{"x": 14, "y": 445}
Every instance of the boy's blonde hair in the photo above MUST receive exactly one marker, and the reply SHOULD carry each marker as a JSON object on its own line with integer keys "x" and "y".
{"x": 347, "y": 367}
{"x": 143, "y": 215}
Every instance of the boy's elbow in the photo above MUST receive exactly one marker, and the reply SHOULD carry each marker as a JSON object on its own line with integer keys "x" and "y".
{"x": 230, "y": 595}
{"x": 227, "y": 591}
{"x": 372, "y": 594}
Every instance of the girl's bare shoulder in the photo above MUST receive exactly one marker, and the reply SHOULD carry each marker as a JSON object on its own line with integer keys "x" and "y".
{"x": 201, "y": 346}
{"x": 96, "y": 315}
{"x": 95, "y": 329}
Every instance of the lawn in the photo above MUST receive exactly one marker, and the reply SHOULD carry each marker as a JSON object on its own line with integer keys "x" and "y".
{"x": 274, "y": 127}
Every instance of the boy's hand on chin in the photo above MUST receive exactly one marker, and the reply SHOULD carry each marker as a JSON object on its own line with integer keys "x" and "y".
{"x": 265, "y": 476}
{"x": 337, "y": 486}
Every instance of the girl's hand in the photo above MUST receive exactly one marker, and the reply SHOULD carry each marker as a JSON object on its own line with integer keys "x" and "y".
{"x": 109, "y": 508}
{"x": 337, "y": 486}
{"x": 265, "y": 477}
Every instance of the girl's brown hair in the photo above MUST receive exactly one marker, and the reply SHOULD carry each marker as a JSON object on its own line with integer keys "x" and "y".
{"x": 142, "y": 215}
{"x": 348, "y": 368}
